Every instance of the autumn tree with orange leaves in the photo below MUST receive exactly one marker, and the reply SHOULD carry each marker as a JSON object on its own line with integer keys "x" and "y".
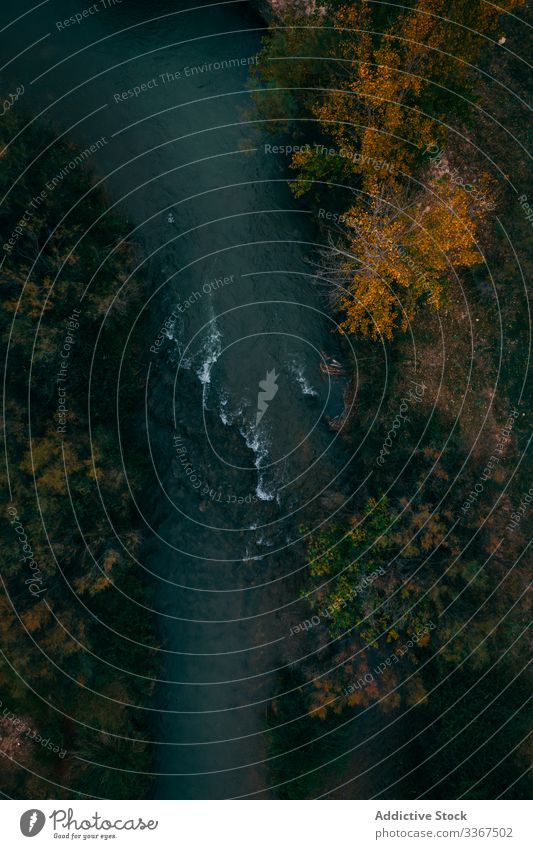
{"x": 400, "y": 252}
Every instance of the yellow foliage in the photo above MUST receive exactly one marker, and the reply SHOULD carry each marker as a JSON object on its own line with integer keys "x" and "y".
{"x": 45, "y": 461}
{"x": 404, "y": 255}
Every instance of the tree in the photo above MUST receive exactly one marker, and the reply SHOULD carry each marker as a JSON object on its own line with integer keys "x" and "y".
{"x": 390, "y": 93}
{"x": 402, "y": 251}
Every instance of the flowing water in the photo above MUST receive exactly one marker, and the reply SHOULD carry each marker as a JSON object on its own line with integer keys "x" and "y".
{"x": 236, "y": 402}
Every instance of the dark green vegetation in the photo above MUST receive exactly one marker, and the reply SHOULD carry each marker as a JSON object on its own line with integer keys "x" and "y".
{"x": 69, "y": 562}
{"x": 431, "y": 538}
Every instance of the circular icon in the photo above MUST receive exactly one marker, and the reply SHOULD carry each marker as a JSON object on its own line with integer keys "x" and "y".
{"x": 32, "y": 822}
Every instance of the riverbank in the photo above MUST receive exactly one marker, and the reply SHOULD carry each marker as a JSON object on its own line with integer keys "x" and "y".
{"x": 74, "y": 617}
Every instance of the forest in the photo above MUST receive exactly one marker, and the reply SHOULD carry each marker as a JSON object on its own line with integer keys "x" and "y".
{"x": 402, "y": 129}
{"x": 404, "y": 153}
{"x": 69, "y": 694}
